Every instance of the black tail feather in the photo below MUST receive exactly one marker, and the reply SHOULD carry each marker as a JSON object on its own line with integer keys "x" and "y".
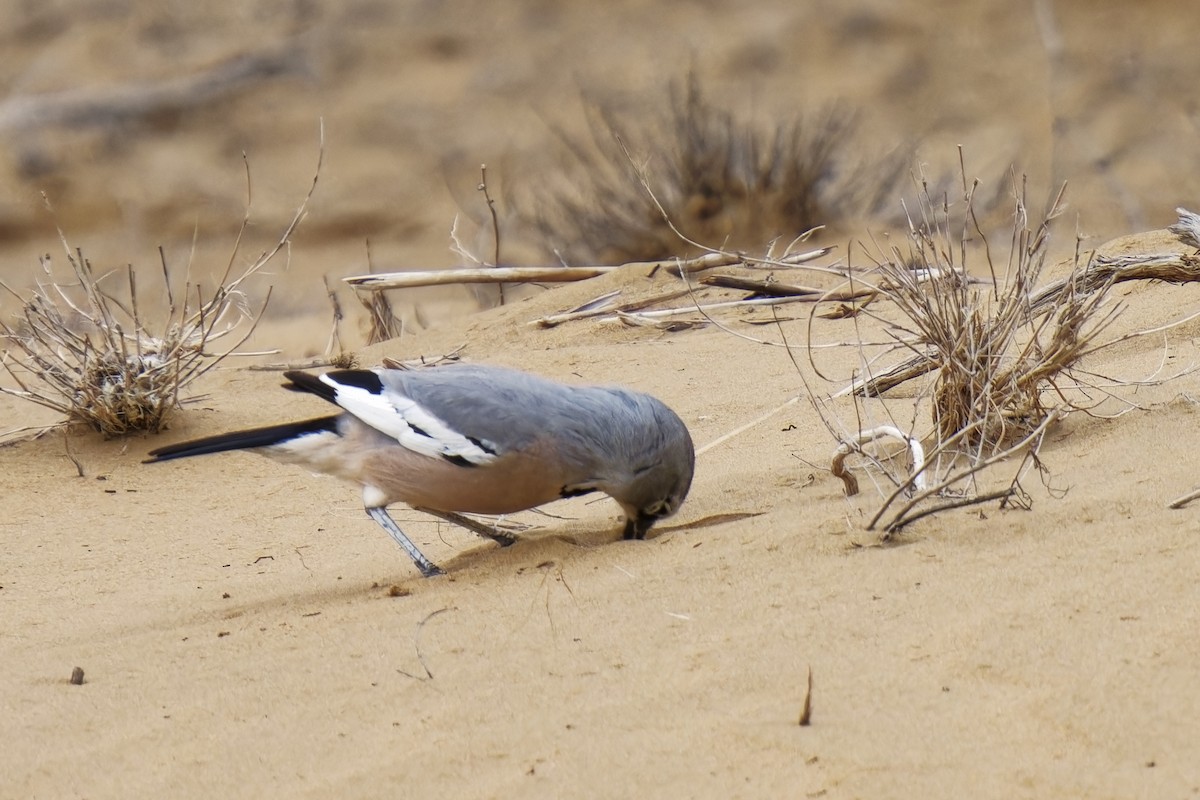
{"x": 243, "y": 440}
{"x": 359, "y": 378}
{"x": 304, "y": 382}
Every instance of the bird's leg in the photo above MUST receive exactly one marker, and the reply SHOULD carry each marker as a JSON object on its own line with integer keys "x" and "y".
{"x": 637, "y": 524}
{"x": 498, "y": 536}
{"x": 380, "y": 515}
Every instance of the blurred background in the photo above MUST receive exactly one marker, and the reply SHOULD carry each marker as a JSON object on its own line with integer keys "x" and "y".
{"x": 132, "y": 119}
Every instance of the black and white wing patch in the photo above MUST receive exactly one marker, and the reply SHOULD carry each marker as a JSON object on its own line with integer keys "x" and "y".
{"x": 405, "y": 420}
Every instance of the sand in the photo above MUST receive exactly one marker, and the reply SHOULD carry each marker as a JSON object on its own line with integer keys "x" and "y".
{"x": 246, "y": 631}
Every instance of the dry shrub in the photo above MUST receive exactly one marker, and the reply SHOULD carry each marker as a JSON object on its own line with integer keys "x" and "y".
{"x": 1002, "y": 352}
{"x": 84, "y": 348}
{"x": 994, "y": 354}
{"x": 719, "y": 179}
{"x": 79, "y": 349}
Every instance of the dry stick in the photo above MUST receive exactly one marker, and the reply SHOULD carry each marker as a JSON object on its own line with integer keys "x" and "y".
{"x": 70, "y": 455}
{"x": 600, "y": 301}
{"x": 703, "y": 308}
{"x": 838, "y": 468}
{"x": 312, "y": 363}
{"x": 960, "y": 502}
{"x": 806, "y": 710}
{"x": 930, "y": 458}
{"x": 417, "y": 645}
{"x": 680, "y": 268}
{"x": 162, "y": 259}
{"x": 600, "y": 310}
{"x": 32, "y": 432}
{"x": 335, "y": 338}
{"x": 444, "y": 277}
{"x": 237, "y": 241}
{"x": 638, "y": 321}
{"x": 881, "y": 382}
{"x": 743, "y": 428}
{"x": 899, "y": 520}
{"x": 138, "y": 332}
{"x": 491, "y": 204}
{"x": 424, "y": 361}
{"x": 778, "y": 289}
{"x": 220, "y": 301}
{"x": 1180, "y": 502}
{"x": 208, "y": 314}
{"x": 786, "y": 262}
{"x": 714, "y": 321}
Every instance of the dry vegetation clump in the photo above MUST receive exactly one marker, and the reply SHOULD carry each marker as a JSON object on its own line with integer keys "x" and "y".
{"x": 80, "y": 349}
{"x": 718, "y": 179}
{"x": 994, "y": 354}
{"x": 1001, "y": 355}
{"x": 85, "y": 348}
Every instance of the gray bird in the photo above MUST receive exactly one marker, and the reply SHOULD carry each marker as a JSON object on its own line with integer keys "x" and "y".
{"x": 481, "y": 439}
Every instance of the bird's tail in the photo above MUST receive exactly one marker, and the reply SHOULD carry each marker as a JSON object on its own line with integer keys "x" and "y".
{"x": 243, "y": 440}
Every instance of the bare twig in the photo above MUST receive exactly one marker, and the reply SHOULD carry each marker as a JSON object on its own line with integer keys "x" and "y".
{"x": 770, "y": 288}
{"x": 901, "y": 518}
{"x": 491, "y": 204}
{"x": 447, "y": 277}
{"x": 1180, "y": 502}
{"x": 604, "y": 305}
{"x": 838, "y": 468}
{"x": 660, "y": 313}
{"x": 335, "y": 336}
{"x": 806, "y": 710}
{"x": 417, "y": 646}
{"x": 778, "y": 289}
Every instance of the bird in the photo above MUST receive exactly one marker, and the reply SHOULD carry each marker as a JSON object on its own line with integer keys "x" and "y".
{"x": 477, "y": 438}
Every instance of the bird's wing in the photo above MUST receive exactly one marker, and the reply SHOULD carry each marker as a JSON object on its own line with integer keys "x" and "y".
{"x": 394, "y": 414}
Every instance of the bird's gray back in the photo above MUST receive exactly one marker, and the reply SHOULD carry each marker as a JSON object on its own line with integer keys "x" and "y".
{"x": 509, "y": 409}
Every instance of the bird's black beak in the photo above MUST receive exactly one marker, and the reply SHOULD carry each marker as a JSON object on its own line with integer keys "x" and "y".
{"x": 636, "y": 525}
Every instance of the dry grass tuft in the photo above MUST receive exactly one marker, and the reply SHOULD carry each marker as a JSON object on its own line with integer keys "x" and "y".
{"x": 80, "y": 349}
{"x": 717, "y": 178}
{"x": 1003, "y": 354}
{"x": 382, "y": 323}
{"x": 84, "y": 348}
{"x": 995, "y": 356}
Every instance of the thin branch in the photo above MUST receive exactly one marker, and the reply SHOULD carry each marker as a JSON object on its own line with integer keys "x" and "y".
{"x": 491, "y": 204}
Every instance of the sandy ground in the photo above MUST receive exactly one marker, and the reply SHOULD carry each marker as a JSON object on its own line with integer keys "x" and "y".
{"x": 246, "y": 631}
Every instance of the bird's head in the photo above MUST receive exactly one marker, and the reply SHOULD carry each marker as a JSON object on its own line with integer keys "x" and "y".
{"x": 659, "y": 478}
